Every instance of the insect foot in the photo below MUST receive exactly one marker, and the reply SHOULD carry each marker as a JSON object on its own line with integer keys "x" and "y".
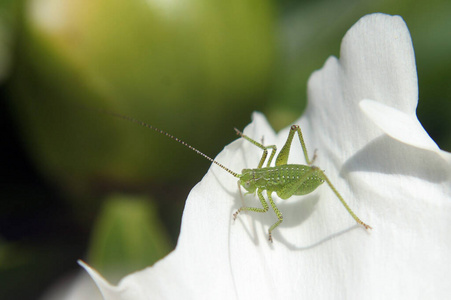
{"x": 365, "y": 225}
{"x": 235, "y": 215}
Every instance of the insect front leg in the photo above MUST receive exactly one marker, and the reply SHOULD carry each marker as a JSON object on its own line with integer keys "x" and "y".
{"x": 264, "y": 148}
{"x": 263, "y": 210}
{"x": 255, "y": 209}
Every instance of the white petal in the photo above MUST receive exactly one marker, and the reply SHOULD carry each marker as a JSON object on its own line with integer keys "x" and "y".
{"x": 401, "y": 126}
{"x": 377, "y": 62}
{"x": 108, "y": 291}
{"x": 399, "y": 186}
{"x": 318, "y": 252}
{"x": 397, "y": 124}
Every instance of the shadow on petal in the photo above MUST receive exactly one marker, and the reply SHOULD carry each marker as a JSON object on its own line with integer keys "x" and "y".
{"x": 298, "y": 211}
{"x": 319, "y": 242}
{"x": 388, "y": 156}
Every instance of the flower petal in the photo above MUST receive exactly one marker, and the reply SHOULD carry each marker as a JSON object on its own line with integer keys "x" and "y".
{"x": 377, "y": 62}
{"x": 108, "y": 291}
{"x": 399, "y": 186}
{"x": 399, "y": 125}
{"x": 318, "y": 252}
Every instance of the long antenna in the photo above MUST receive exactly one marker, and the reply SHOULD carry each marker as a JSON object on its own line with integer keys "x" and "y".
{"x": 124, "y": 117}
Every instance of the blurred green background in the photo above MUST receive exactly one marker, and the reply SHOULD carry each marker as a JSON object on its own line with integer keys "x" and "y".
{"x": 76, "y": 183}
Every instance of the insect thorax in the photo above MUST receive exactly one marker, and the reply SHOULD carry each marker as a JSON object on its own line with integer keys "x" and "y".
{"x": 286, "y": 180}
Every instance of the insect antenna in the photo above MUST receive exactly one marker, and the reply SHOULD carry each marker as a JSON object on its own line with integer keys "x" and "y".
{"x": 127, "y": 118}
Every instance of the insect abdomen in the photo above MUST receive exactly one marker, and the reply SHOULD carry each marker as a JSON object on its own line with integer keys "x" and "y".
{"x": 286, "y": 177}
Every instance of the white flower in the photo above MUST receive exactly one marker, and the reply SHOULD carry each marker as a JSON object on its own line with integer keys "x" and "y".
{"x": 361, "y": 119}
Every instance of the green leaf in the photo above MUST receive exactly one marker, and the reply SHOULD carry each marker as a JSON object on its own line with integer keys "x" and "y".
{"x": 127, "y": 236}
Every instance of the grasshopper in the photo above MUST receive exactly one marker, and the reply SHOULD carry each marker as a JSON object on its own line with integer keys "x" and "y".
{"x": 284, "y": 179}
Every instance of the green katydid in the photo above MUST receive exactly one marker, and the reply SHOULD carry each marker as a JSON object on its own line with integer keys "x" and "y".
{"x": 284, "y": 179}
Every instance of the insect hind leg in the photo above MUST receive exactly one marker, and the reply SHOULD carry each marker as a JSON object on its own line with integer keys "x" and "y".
{"x": 284, "y": 153}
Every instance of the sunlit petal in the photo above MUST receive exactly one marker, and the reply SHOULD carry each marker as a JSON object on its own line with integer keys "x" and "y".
{"x": 394, "y": 183}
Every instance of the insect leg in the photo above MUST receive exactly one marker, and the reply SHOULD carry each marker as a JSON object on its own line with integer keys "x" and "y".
{"x": 279, "y": 216}
{"x": 254, "y": 209}
{"x": 282, "y": 158}
{"x": 264, "y": 148}
{"x": 332, "y": 187}
{"x": 314, "y": 158}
